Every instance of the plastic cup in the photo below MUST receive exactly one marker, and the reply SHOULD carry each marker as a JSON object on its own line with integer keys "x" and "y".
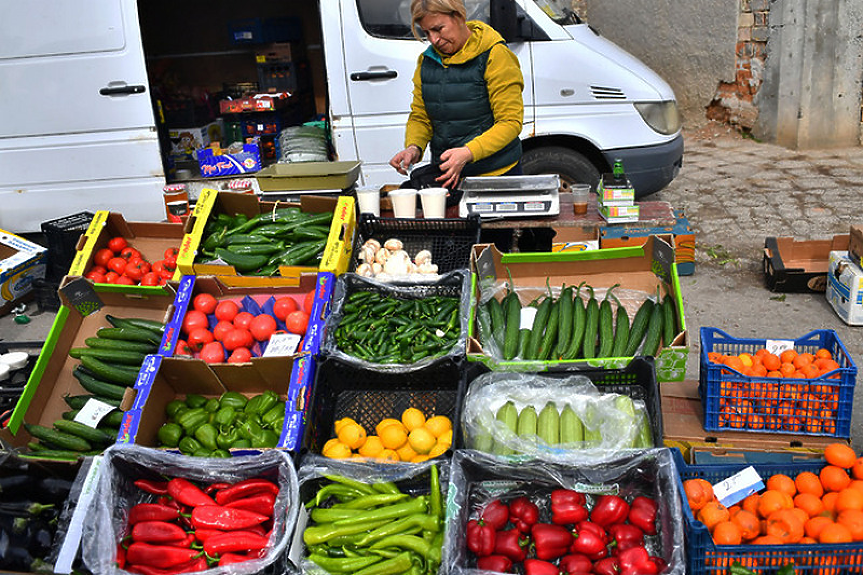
{"x": 434, "y": 202}
{"x": 404, "y": 202}
{"x": 580, "y": 197}
{"x": 369, "y": 200}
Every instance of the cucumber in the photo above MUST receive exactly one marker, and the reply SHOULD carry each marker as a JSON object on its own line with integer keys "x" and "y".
{"x": 638, "y": 327}
{"x": 242, "y": 262}
{"x": 668, "y": 324}
{"x": 523, "y": 340}
{"x": 564, "y": 324}
{"x": 512, "y": 313}
{"x": 109, "y": 355}
{"x": 578, "y": 321}
{"x": 242, "y": 239}
{"x": 654, "y": 332}
{"x": 120, "y": 345}
{"x": 548, "y": 339}
{"x": 137, "y": 322}
{"x": 58, "y": 438}
{"x": 591, "y": 325}
{"x": 130, "y": 334}
{"x": 498, "y": 322}
{"x": 255, "y": 249}
{"x": 85, "y": 432}
{"x": 55, "y": 454}
{"x": 98, "y": 387}
{"x": 538, "y": 329}
{"x": 606, "y": 325}
{"x": 79, "y": 401}
{"x": 483, "y": 321}
{"x": 108, "y": 372}
{"x": 621, "y": 331}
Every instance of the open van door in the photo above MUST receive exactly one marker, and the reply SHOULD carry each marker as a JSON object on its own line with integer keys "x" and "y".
{"x": 77, "y": 130}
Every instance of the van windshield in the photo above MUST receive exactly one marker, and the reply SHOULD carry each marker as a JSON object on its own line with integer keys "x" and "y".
{"x": 559, "y": 11}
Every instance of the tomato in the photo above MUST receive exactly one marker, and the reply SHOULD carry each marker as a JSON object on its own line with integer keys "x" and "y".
{"x": 117, "y": 244}
{"x": 182, "y": 348}
{"x": 238, "y": 337}
{"x": 125, "y": 281}
{"x": 95, "y": 277}
{"x": 117, "y": 265}
{"x": 297, "y": 321}
{"x": 130, "y": 253}
{"x": 171, "y": 255}
{"x": 102, "y": 257}
{"x": 204, "y": 302}
{"x": 99, "y": 269}
{"x": 309, "y": 301}
{"x": 199, "y": 337}
{"x": 169, "y": 265}
{"x": 243, "y": 320}
{"x": 221, "y": 330}
{"x": 194, "y": 319}
{"x": 262, "y": 327}
{"x": 150, "y": 279}
{"x": 111, "y": 277}
{"x": 135, "y": 270}
{"x": 213, "y": 352}
{"x": 240, "y": 355}
{"x": 284, "y": 306}
{"x": 226, "y": 311}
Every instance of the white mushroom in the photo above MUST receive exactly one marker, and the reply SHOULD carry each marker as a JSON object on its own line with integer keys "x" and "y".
{"x": 377, "y": 268}
{"x": 365, "y": 270}
{"x": 427, "y": 268}
{"x": 372, "y": 243}
{"x": 412, "y": 267}
{"x": 422, "y": 257}
{"x": 394, "y": 245}
{"x": 367, "y": 253}
{"x": 397, "y": 264}
{"x": 382, "y": 256}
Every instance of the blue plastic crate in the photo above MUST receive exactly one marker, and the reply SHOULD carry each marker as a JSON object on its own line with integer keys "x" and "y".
{"x": 825, "y": 411}
{"x": 706, "y": 558}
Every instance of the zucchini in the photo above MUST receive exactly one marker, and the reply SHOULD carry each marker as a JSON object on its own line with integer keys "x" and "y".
{"x": 550, "y": 337}
{"x": 120, "y": 345}
{"x": 498, "y": 323}
{"x": 621, "y": 331}
{"x": 606, "y": 325}
{"x": 654, "y": 332}
{"x": 538, "y": 329}
{"x": 668, "y": 323}
{"x": 98, "y": 387}
{"x": 109, "y": 372}
{"x": 578, "y": 320}
{"x": 564, "y": 323}
{"x": 137, "y": 322}
{"x": 242, "y": 262}
{"x": 591, "y": 325}
{"x": 79, "y": 401}
{"x": 109, "y": 355}
{"x": 130, "y": 334}
{"x": 638, "y": 327}
{"x": 512, "y": 312}
{"x": 85, "y": 432}
{"x": 58, "y": 438}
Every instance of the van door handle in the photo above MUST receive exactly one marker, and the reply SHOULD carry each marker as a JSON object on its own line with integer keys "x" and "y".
{"x": 119, "y": 90}
{"x": 365, "y": 76}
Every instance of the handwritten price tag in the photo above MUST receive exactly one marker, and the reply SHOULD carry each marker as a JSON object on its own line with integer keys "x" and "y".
{"x": 777, "y": 346}
{"x": 526, "y": 319}
{"x": 282, "y": 344}
{"x": 738, "y": 487}
{"x": 93, "y": 412}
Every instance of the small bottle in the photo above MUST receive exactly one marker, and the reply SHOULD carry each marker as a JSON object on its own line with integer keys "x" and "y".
{"x": 176, "y": 202}
{"x": 618, "y": 168}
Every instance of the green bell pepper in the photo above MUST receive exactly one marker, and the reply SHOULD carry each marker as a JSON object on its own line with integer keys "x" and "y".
{"x": 267, "y": 438}
{"x": 189, "y": 445}
{"x": 234, "y": 399}
{"x": 226, "y": 439}
{"x": 221, "y": 453}
{"x": 273, "y": 414}
{"x": 207, "y": 434}
{"x": 225, "y": 416}
{"x": 241, "y": 443}
{"x": 193, "y": 419}
{"x": 172, "y": 408}
{"x": 170, "y": 434}
{"x": 212, "y": 405}
{"x": 194, "y": 400}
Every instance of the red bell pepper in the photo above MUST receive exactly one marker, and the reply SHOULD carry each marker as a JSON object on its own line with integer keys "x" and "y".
{"x": 497, "y": 563}
{"x": 158, "y": 532}
{"x": 495, "y": 514}
{"x": 538, "y": 567}
{"x": 550, "y": 541}
{"x": 188, "y": 493}
{"x": 261, "y": 503}
{"x": 120, "y": 560}
{"x": 607, "y": 566}
{"x": 575, "y": 563}
{"x": 636, "y": 561}
{"x": 161, "y": 556}
{"x": 593, "y": 528}
{"x": 151, "y": 486}
{"x": 588, "y": 541}
{"x": 511, "y": 543}
{"x": 225, "y": 518}
{"x": 660, "y": 563}
{"x": 231, "y": 558}
{"x": 246, "y": 488}
{"x": 625, "y": 536}
{"x": 152, "y": 512}
{"x": 642, "y": 514}
{"x": 480, "y": 538}
{"x": 234, "y": 541}
{"x": 523, "y": 513}
{"x": 608, "y": 510}
{"x": 567, "y": 507}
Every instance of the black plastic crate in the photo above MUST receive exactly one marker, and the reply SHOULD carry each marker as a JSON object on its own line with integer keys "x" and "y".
{"x": 368, "y": 396}
{"x": 62, "y": 237}
{"x": 11, "y": 389}
{"x": 449, "y": 240}
{"x": 47, "y": 298}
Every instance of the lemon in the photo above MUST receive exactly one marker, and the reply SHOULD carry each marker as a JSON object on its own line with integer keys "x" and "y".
{"x": 438, "y": 449}
{"x": 352, "y": 435}
{"x": 445, "y": 438}
{"x": 438, "y": 425}
{"x": 420, "y": 458}
{"x": 372, "y": 446}
{"x": 386, "y": 423}
{"x": 413, "y": 418}
{"x": 406, "y": 452}
{"x": 337, "y": 450}
{"x": 421, "y": 440}
{"x": 393, "y": 436}
{"x": 338, "y": 425}
{"x": 388, "y": 456}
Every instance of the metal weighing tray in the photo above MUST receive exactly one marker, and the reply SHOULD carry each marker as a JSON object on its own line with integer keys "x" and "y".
{"x": 538, "y": 183}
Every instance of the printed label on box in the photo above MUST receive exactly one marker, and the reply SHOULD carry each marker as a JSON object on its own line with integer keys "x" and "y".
{"x": 81, "y": 296}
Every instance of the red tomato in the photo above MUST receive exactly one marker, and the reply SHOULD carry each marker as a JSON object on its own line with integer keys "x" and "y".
{"x": 204, "y": 302}
{"x": 99, "y": 269}
{"x": 95, "y": 277}
{"x": 125, "y": 281}
{"x": 199, "y": 337}
{"x": 262, "y": 327}
{"x": 238, "y": 338}
{"x": 240, "y": 355}
{"x": 136, "y": 269}
{"x": 226, "y": 311}
{"x": 171, "y": 255}
{"x": 182, "y": 348}
{"x": 243, "y": 320}
{"x": 117, "y": 244}
{"x": 221, "y": 330}
{"x": 297, "y": 321}
{"x": 308, "y": 302}
{"x": 130, "y": 253}
{"x": 150, "y": 279}
{"x": 169, "y": 265}
{"x": 117, "y": 265}
{"x": 102, "y": 257}
{"x": 194, "y": 319}
{"x": 284, "y": 306}
{"x": 213, "y": 352}
{"x": 111, "y": 277}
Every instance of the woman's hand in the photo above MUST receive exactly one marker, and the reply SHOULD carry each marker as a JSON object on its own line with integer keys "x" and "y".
{"x": 405, "y": 159}
{"x": 452, "y": 163}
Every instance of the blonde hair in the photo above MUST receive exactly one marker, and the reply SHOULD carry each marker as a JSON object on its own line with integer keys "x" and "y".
{"x": 421, "y": 8}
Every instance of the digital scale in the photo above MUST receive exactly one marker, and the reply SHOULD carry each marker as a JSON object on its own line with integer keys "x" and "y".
{"x": 510, "y": 196}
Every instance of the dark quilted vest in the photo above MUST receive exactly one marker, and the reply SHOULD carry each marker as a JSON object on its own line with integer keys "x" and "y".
{"x": 456, "y": 100}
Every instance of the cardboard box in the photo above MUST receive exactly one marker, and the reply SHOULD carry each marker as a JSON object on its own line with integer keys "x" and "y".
{"x": 684, "y": 240}
{"x": 855, "y": 245}
{"x": 799, "y": 266}
{"x": 210, "y": 202}
{"x": 308, "y": 176}
{"x": 279, "y": 52}
{"x": 149, "y": 238}
{"x": 619, "y": 214}
{"x": 21, "y": 263}
{"x": 682, "y": 418}
{"x": 575, "y": 239}
{"x": 612, "y": 191}
{"x": 51, "y": 379}
{"x": 256, "y": 103}
{"x": 845, "y": 288}
{"x": 640, "y": 268}
{"x": 185, "y": 142}
{"x": 218, "y": 162}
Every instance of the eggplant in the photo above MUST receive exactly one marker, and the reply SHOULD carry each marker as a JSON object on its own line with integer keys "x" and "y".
{"x": 13, "y": 484}
{"x": 15, "y": 557}
{"x": 23, "y": 508}
{"x": 54, "y": 489}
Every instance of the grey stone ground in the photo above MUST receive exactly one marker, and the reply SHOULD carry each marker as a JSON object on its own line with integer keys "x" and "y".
{"x": 735, "y": 192}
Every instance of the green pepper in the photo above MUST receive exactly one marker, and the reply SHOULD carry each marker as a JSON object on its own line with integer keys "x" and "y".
{"x": 266, "y": 438}
{"x": 182, "y": 409}
{"x": 221, "y": 453}
{"x": 225, "y": 416}
{"x": 415, "y": 505}
{"x": 207, "y": 434}
{"x": 194, "y": 400}
{"x": 203, "y": 452}
{"x": 411, "y": 543}
{"x": 422, "y": 521}
{"x": 189, "y": 445}
{"x": 241, "y": 443}
{"x": 269, "y": 417}
{"x": 399, "y": 564}
{"x": 234, "y": 399}
{"x": 212, "y": 405}
{"x": 253, "y": 404}
{"x": 278, "y": 424}
{"x": 226, "y": 439}
{"x": 342, "y": 565}
{"x": 269, "y": 400}
{"x": 170, "y": 434}
{"x": 368, "y": 501}
{"x": 249, "y": 429}
{"x": 172, "y": 407}
{"x": 317, "y": 534}
{"x": 193, "y": 419}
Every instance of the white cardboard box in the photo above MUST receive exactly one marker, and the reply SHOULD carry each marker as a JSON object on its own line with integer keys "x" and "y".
{"x": 21, "y": 263}
{"x": 845, "y": 288}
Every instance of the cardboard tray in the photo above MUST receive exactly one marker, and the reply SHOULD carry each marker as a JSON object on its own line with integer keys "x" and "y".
{"x": 21, "y": 263}
{"x": 308, "y": 176}
{"x": 799, "y": 266}
{"x": 619, "y": 236}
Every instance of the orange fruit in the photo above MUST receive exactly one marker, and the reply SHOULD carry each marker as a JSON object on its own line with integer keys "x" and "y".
{"x": 745, "y": 359}
{"x": 393, "y": 436}
{"x": 835, "y": 533}
{"x": 823, "y": 354}
{"x": 770, "y": 361}
{"x": 352, "y": 434}
{"x": 727, "y": 533}
{"x": 712, "y": 514}
{"x": 853, "y": 520}
{"x": 772, "y": 501}
{"x": 801, "y": 360}
{"x": 856, "y": 484}
{"x": 786, "y": 525}
{"x": 813, "y": 527}
{"x": 834, "y": 478}
{"x": 421, "y": 440}
{"x": 750, "y": 504}
{"x": 840, "y": 455}
{"x": 808, "y": 482}
{"x": 829, "y": 501}
{"x": 787, "y": 356}
{"x": 698, "y": 493}
{"x": 767, "y": 540}
{"x": 810, "y": 371}
{"x": 413, "y": 418}
{"x": 828, "y": 366}
{"x": 783, "y": 483}
{"x": 787, "y": 369}
{"x": 848, "y": 499}
{"x": 857, "y": 468}
{"x": 809, "y": 503}
{"x": 748, "y": 523}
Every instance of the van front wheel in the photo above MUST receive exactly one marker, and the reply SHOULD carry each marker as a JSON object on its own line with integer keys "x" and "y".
{"x": 572, "y": 167}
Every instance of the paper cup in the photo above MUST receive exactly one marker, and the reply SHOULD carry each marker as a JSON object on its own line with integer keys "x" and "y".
{"x": 434, "y": 202}
{"x": 404, "y": 202}
{"x": 369, "y": 200}
{"x": 580, "y": 197}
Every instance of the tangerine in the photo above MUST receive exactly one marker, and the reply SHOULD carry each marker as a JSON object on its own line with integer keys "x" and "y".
{"x": 787, "y": 369}
{"x": 834, "y": 478}
{"x": 748, "y": 523}
{"x": 727, "y": 533}
{"x": 352, "y": 434}
{"x": 438, "y": 425}
{"x": 698, "y": 493}
{"x": 840, "y": 455}
{"x": 809, "y": 503}
{"x": 848, "y": 499}
{"x": 421, "y": 440}
{"x": 808, "y": 482}
{"x": 372, "y": 447}
{"x": 393, "y": 436}
{"x": 783, "y": 483}
{"x": 813, "y": 527}
{"x": 857, "y": 468}
{"x": 787, "y": 356}
{"x": 771, "y": 361}
{"x": 823, "y": 354}
{"x": 712, "y": 514}
{"x": 835, "y": 533}
{"x": 770, "y": 502}
{"x": 853, "y": 520}
{"x": 786, "y": 525}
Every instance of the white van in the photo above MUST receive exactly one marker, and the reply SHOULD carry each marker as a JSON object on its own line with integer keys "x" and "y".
{"x": 77, "y": 128}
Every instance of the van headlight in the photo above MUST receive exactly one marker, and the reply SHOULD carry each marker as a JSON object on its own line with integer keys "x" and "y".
{"x": 661, "y": 116}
